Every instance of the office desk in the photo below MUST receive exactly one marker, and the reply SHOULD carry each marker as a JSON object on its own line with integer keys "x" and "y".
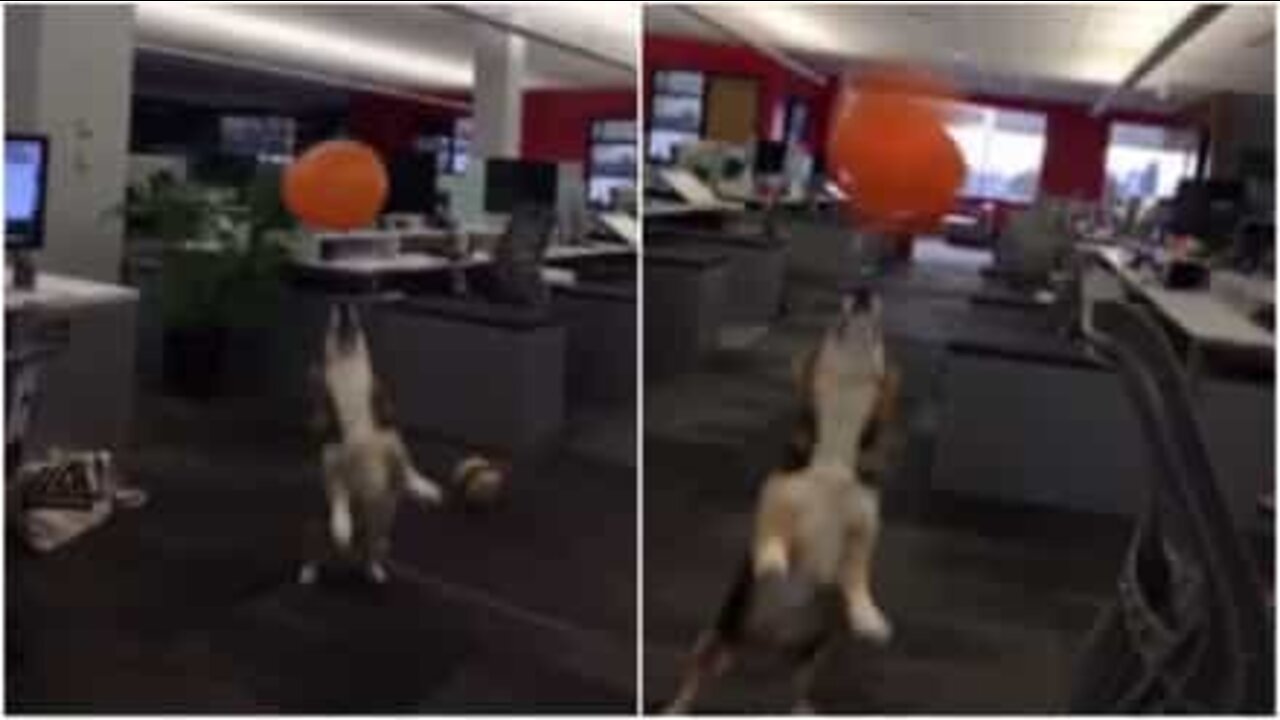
{"x": 587, "y": 250}
{"x": 1028, "y": 417}
{"x": 60, "y": 293}
{"x": 420, "y": 263}
{"x": 423, "y": 272}
{"x": 668, "y": 209}
{"x": 600, "y": 352}
{"x": 87, "y": 396}
{"x": 684, "y": 309}
{"x": 1245, "y": 292}
{"x": 485, "y": 374}
{"x": 1208, "y": 320}
{"x": 755, "y": 270}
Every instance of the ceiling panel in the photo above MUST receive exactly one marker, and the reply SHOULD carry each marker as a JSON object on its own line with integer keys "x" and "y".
{"x": 1073, "y": 49}
{"x": 198, "y": 83}
{"x": 409, "y": 47}
{"x": 1236, "y": 52}
{"x": 611, "y": 30}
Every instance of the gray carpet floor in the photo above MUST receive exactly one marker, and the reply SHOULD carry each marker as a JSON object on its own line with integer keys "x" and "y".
{"x": 989, "y": 602}
{"x": 189, "y": 604}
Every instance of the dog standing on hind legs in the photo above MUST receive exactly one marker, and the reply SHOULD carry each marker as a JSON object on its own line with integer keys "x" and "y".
{"x": 364, "y": 462}
{"x": 808, "y": 574}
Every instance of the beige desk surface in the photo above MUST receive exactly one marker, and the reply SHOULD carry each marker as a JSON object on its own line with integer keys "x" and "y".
{"x": 62, "y": 292}
{"x": 1202, "y": 314}
{"x": 658, "y": 208}
{"x": 423, "y": 262}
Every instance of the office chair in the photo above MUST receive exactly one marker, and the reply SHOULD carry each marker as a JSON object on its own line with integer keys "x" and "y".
{"x": 518, "y": 258}
{"x": 1030, "y": 248}
{"x": 1188, "y": 631}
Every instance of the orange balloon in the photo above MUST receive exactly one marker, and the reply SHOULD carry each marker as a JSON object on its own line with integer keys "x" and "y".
{"x": 891, "y": 154}
{"x": 336, "y": 185}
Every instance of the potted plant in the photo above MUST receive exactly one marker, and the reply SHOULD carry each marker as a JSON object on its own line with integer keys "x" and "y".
{"x": 163, "y": 209}
{"x": 220, "y": 255}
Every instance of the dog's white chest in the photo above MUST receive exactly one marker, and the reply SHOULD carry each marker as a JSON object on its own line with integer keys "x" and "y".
{"x": 350, "y": 383}
{"x": 830, "y": 515}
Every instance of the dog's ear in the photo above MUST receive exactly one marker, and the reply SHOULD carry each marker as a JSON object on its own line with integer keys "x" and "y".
{"x": 887, "y": 395}
{"x": 802, "y": 367}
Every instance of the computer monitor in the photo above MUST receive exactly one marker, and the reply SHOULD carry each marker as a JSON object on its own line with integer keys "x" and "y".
{"x": 257, "y": 136}
{"x": 1208, "y": 209}
{"x": 413, "y": 184}
{"x": 26, "y": 169}
{"x": 771, "y": 157}
{"x": 510, "y": 183}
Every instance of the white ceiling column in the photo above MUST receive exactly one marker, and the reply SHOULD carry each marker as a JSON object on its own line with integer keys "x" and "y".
{"x": 498, "y": 93}
{"x": 69, "y": 75}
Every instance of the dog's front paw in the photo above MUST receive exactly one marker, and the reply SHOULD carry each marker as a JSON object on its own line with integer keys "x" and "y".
{"x": 424, "y": 490}
{"x": 771, "y": 559}
{"x": 868, "y": 622}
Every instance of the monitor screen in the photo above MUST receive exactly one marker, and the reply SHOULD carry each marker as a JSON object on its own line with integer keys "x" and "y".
{"x": 257, "y": 135}
{"x": 26, "y": 161}
{"x": 771, "y": 157}
{"x": 413, "y": 183}
{"x": 1208, "y": 210}
{"x": 509, "y": 183}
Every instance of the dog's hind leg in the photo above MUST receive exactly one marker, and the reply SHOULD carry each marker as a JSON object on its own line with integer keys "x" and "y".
{"x": 379, "y": 517}
{"x": 865, "y": 618}
{"x": 336, "y": 539}
{"x": 810, "y": 662}
{"x": 711, "y": 658}
{"x": 714, "y": 651}
{"x": 341, "y": 522}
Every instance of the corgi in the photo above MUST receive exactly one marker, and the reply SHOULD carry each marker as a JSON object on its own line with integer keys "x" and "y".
{"x": 808, "y": 572}
{"x": 364, "y": 463}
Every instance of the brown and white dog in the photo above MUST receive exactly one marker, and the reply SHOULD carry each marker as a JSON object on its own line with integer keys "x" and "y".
{"x": 364, "y": 462}
{"x": 808, "y": 574}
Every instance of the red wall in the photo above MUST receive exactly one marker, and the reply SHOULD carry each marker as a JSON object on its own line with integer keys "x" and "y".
{"x": 776, "y": 82}
{"x": 390, "y": 123}
{"x": 557, "y": 123}
{"x": 1075, "y": 143}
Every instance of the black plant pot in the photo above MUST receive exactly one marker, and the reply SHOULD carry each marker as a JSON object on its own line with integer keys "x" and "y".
{"x": 194, "y": 360}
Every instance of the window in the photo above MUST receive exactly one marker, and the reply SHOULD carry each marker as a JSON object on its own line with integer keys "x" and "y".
{"x": 1148, "y": 161}
{"x": 677, "y": 110}
{"x": 450, "y": 150}
{"x": 1003, "y": 150}
{"x": 265, "y": 137}
{"x": 461, "y": 145}
{"x": 611, "y": 160}
{"x": 797, "y": 121}
{"x": 438, "y": 145}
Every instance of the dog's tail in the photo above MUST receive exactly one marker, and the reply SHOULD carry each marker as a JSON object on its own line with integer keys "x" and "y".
{"x": 731, "y": 618}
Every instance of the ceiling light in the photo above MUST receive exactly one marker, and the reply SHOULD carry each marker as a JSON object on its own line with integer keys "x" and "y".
{"x": 231, "y": 30}
{"x": 792, "y": 26}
